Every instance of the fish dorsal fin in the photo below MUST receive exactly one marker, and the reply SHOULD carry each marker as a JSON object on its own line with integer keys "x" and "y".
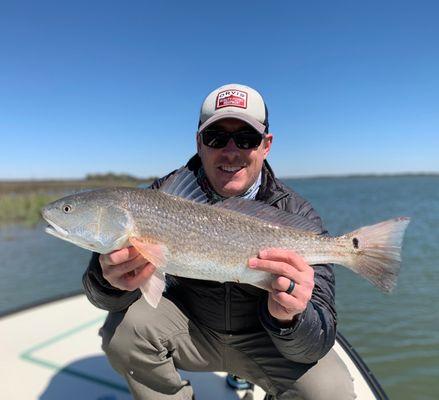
{"x": 183, "y": 183}
{"x": 261, "y": 210}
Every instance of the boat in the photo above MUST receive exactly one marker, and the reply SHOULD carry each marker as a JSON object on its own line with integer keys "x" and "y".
{"x": 51, "y": 350}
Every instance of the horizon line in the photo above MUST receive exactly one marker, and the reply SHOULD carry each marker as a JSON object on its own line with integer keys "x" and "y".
{"x": 314, "y": 176}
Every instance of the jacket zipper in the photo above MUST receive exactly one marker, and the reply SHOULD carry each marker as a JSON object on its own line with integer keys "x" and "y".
{"x": 228, "y": 305}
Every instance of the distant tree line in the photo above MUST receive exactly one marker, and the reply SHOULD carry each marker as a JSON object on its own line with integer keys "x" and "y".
{"x": 111, "y": 176}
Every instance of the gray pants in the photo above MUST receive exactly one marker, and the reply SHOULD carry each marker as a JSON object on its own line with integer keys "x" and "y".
{"x": 147, "y": 345}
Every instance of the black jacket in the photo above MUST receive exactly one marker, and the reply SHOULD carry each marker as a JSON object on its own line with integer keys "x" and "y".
{"x": 239, "y": 308}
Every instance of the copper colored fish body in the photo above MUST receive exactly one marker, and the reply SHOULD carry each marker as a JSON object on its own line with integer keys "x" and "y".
{"x": 201, "y": 241}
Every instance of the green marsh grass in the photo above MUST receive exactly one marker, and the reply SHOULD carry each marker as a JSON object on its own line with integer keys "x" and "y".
{"x": 23, "y": 208}
{"x": 21, "y": 201}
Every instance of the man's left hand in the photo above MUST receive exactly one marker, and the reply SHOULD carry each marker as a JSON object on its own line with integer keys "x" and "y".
{"x": 286, "y": 266}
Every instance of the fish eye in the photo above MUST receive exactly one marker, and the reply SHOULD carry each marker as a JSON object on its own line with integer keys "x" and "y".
{"x": 67, "y": 208}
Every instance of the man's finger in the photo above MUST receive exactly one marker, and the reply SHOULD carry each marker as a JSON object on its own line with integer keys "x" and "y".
{"x": 119, "y": 256}
{"x": 282, "y": 284}
{"x": 121, "y": 269}
{"x": 142, "y": 274}
{"x": 283, "y": 255}
{"x": 274, "y": 267}
{"x": 290, "y": 303}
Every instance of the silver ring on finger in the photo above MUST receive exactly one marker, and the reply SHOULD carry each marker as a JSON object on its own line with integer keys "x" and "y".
{"x": 291, "y": 287}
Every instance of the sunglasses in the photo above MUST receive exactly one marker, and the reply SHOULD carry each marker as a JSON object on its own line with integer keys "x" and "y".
{"x": 244, "y": 139}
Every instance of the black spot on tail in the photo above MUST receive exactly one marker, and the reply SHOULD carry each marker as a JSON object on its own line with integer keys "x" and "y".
{"x": 355, "y": 242}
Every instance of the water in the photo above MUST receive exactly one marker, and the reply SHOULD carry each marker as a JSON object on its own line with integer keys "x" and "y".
{"x": 397, "y": 334}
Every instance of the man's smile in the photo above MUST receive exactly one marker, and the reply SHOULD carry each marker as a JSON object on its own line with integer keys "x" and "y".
{"x": 230, "y": 169}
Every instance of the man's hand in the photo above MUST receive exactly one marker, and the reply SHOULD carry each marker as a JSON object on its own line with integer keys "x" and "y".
{"x": 286, "y": 266}
{"x": 126, "y": 269}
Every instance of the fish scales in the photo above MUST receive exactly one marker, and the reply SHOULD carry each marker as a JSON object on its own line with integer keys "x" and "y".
{"x": 201, "y": 241}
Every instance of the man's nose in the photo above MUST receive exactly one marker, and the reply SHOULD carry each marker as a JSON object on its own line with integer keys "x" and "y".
{"x": 231, "y": 146}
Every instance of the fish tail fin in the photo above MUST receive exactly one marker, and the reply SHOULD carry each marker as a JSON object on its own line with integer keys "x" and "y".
{"x": 377, "y": 252}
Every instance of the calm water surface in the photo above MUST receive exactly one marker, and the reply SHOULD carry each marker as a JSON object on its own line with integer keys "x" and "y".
{"x": 397, "y": 334}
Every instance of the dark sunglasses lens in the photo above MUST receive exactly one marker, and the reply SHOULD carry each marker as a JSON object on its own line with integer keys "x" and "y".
{"x": 244, "y": 140}
{"x": 215, "y": 139}
{"x": 247, "y": 140}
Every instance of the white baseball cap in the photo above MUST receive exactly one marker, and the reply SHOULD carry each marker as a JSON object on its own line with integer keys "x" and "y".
{"x": 234, "y": 101}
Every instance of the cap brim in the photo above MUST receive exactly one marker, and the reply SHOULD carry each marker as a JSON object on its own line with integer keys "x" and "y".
{"x": 235, "y": 115}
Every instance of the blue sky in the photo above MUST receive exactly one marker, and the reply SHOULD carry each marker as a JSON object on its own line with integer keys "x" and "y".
{"x": 98, "y": 86}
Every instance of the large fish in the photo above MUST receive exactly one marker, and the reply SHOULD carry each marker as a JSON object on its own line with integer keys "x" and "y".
{"x": 214, "y": 242}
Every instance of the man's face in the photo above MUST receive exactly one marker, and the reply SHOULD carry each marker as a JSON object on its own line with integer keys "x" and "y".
{"x": 230, "y": 170}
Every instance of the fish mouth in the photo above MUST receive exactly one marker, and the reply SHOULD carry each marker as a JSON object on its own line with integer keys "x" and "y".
{"x": 61, "y": 233}
{"x": 55, "y": 230}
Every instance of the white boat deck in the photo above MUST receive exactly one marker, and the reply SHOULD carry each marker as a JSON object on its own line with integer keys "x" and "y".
{"x": 53, "y": 352}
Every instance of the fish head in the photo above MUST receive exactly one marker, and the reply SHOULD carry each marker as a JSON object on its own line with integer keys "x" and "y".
{"x": 95, "y": 220}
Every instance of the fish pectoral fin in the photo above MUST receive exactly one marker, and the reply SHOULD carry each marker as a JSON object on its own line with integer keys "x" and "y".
{"x": 154, "y": 252}
{"x": 153, "y": 288}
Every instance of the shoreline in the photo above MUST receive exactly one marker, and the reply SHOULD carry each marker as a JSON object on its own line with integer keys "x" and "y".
{"x": 21, "y": 201}
{"x": 367, "y": 175}
{"x": 75, "y": 182}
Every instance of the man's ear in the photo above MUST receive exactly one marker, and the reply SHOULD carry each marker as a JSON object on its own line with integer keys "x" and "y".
{"x": 198, "y": 140}
{"x": 268, "y": 140}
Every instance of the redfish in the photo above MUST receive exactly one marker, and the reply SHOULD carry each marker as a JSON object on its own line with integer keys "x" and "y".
{"x": 189, "y": 238}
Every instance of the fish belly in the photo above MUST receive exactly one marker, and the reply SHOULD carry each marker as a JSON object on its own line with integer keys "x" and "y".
{"x": 195, "y": 267}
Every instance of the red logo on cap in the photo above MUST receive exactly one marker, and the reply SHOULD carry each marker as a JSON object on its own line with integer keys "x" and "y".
{"x": 231, "y": 98}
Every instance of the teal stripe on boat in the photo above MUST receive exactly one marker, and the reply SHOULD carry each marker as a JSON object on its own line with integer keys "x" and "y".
{"x": 28, "y": 356}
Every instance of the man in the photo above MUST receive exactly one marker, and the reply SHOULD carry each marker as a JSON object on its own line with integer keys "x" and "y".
{"x": 271, "y": 339}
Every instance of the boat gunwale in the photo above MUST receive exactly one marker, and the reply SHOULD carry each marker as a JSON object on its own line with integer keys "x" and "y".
{"x": 361, "y": 365}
